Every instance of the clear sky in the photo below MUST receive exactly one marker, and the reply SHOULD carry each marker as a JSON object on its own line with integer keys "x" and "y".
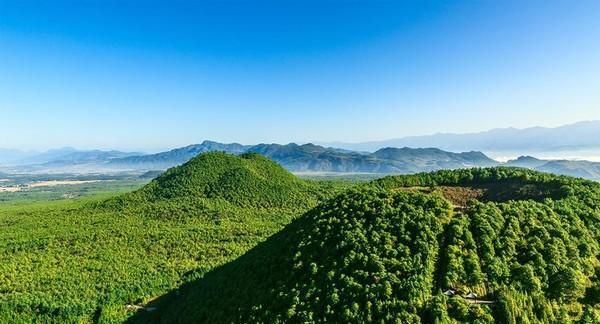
{"x": 149, "y": 75}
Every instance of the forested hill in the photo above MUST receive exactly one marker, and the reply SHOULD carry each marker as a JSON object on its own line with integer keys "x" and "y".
{"x": 99, "y": 260}
{"x": 314, "y": 158}
{"x": 236, "y": 238}
{"x": 247, "y": 181}
{"x": 497, "y": 245}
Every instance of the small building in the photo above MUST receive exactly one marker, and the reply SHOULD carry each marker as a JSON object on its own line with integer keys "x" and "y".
{"x": 471, "y": 295}
{"x": 450, "y": 292}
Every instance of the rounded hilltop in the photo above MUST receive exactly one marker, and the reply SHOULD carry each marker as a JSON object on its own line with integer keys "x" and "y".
{"x": 247, "y": 180}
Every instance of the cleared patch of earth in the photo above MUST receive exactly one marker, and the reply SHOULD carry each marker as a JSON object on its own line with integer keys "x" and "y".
{"x": 458, "y": 196}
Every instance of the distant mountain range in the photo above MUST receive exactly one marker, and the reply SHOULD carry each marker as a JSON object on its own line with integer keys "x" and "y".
{"x": 71, "y": 155}
{"x": 65, "y": 155}
{"x": 315, "y": 158}
{"x": 165, "y": 160}
{"x": 311, "y": 158}
{"x": 582, "y": 169}
{"x": 573, "y": 137}
{"x": 10, "y": 156}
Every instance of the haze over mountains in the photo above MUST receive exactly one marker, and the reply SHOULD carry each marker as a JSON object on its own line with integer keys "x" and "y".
{"x": 306, "y": 158}
{"x": 582, "y": 169}
{"x": 582, "y": 137}
{"x": 314, "y": 158}
{"x": 407, "y": 155}
{"x": 64, "y": 155}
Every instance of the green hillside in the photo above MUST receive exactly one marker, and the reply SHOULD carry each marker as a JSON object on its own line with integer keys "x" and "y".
{"x": 98, "y": 260}
{"x": 228, "y": 239}
{"x": 249, "y": 180}
{"x": 526, "y": 243}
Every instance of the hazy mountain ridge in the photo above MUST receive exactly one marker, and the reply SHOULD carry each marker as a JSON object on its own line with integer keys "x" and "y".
{"x": 315, "y": 158}
{"x": 302, "y": 158}
{"x": 60, "y": 156}
{"x": 12, "y": 155}
{"x": 165, "y": 160}
{"x": 578, "y": 136}
{"x": 582, "y": 169}
{"x": 529, "y": 162}
{"x": 294, "y": 157}
{"x": 90, "y": 156}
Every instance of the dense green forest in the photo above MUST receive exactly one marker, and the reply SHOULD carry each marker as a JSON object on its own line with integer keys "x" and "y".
{"x": 409, "y": 249}
{"x": 229, "y": 239}
{"x": 98, "y": 259}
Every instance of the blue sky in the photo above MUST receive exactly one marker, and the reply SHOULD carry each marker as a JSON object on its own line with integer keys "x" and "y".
{"x": 149, "y": 75}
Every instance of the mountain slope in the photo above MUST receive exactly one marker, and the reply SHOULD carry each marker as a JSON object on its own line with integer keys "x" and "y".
{"x": 314, "y": 158}
{"x": 528, "y": 162}
{"x": 410, "y": 160}
{"x": 326, "y": 266}
{"x": 177, "y": 156}
{"x": 94, "y": 261}
{"x": 581, "y": 169}
{"x": 386, "y": 254}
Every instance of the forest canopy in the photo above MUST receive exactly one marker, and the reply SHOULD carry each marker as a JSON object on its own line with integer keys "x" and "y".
{"x": 227, "y": 239}
{"x": 525, "y": 250}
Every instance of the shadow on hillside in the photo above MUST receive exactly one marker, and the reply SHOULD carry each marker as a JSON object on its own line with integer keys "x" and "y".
{"x": 502, "y": 191}
{"x": 224, "y": 292}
